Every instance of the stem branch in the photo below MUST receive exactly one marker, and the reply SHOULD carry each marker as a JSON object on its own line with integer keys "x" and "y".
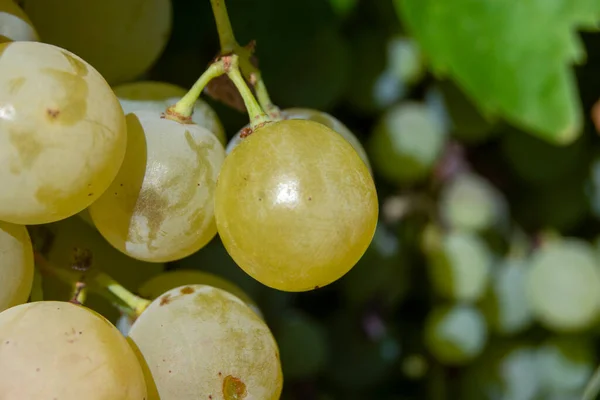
{"x": 255, "y": 112}
{"x": 226, "y": 36}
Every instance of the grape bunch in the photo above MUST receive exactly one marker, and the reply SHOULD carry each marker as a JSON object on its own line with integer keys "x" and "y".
{"x": 186, "y": 217}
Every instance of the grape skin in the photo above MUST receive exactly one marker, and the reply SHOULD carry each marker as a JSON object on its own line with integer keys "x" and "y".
{"x": 157, "y": 96}
{"x": 14, "y": 24}
{"x": 287, "y": 211}
{"x": 16, "y": 265}
{"x": 160, "y": 206}
{"x": 57, "y": 350}
{"x": 121, "y": 39}
{"x": 317, "y": 116}
{"x": 198, "y": 341}
{"x": 62, "y": 133}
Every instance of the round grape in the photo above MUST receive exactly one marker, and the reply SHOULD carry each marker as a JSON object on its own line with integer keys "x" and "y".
{"x": 295, "y": 205}
{"x": 120, "y": 39}
{"x": 201, "y": 342}
{"x": 16, "y": 265}
{"x": 157, "y": 96}
{"x": 56, "y": 350}
{"x": 160, "y": 206}
{"x": 14, "y": 24}
{"x": 62, "y": 133}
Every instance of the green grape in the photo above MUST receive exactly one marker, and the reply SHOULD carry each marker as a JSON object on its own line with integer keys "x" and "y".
{"x": 16, "y": 265}
{"x": 468, "y": 124}
{"x": 505, "y": 305}
{"x": 160, "y": 207}
{"x": 72, "y": 233}
{"x": 200, "y": 342}
{"x": 120, "y": 39}
{"x": 539, "y": 162}
{"x": 565, "y": 364}
{"x": 289, "y": 199}
{"x": 162, "y": 283}
{"x": 303, "y": 345}
{"x": 157, "y": 96}
{"x": 380, "y": 274}
{"x": 506, "y": 371}
{"x": 405, "y": 60}
{"x": 459, "y": 265}
{"x": 406, "y": 143}
{"x": 14, "y": 24}
{"x": 471, "y": 203}
{"x": 57, "y": 350}
{"x": 563, "y": 285}
{"x": 455, "y": 334}
{"x": 59, "y": 153}
{"x": 316, "y": 116}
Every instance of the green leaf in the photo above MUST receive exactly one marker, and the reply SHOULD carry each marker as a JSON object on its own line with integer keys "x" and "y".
{"x": 512, "y": 57}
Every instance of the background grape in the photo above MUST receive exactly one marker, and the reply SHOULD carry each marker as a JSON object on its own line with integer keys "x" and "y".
{"x": 16, "y": 258}
{"x": 14, "y": 23}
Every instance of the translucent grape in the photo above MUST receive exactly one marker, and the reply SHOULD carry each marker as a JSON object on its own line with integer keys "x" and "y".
{"x": 316, "y": 116}
{"x": 303, "y": 345}
{"x": 162, "y": 283}
{"x": 506, "y": 306}
{"x": 157, "y": 96}
{"x": 298, "y": 187}
{"x": 62, "y": 133}
{"x": 200, "y": 342}
{"x": 65, "y": 236}
{"x": 160, "y": 207}
{"x": 14, "y": 24}
{"x": 406, "y": 143}
{"x": 563, "y": 285}
{"x": 455, "y": 334}
{"x": 16, "y": 265}
{"x": 459, "y": 266}
{"x": 120, "y": 39}
{"x": 56, "y": 350}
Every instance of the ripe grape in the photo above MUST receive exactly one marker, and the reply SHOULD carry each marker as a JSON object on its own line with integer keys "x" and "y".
{"x": 162, "y": 283}
{"x": 201, "y": 342}
{"x": 303, "y": 345}
{"x": 295, "y": 205}
{"x": 471, "y": 203}
{"x": 57, "y": 350}
{"x": 157, "y": 96}
{"x": 406, "y": 143}
{"x": 459, "y": 265}
{"x": 62, "y": 149}
{"x": 16, "y": 265}
{"x": 160, "y": 207}
{"x": 455, "y": 334}
{"x": 120, "y": 39}
{"x": 316, "y": 116}
{"x": 506, "y": 306}
{"x": 14, "y": 24}
{"x": 69, "y": 234}
{"x": 563, "y": 285}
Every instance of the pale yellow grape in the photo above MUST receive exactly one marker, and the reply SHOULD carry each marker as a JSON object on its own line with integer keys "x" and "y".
{"x": 200, "y": 342}
{"x": 62, "y": 133}
{"x": 14, "y": 24}
{"x": 317, "y": 116}
{"x": 295, "y": 205}
{"x": 160, "y": 206}
{"x": 162, "y": 283}
{"x": 16, "y": 265}
{"x": 58, "y": 350}
{"x": 122, "y": 39}
{"x": 157, "y": 96}
{"x": 64, "y": 236}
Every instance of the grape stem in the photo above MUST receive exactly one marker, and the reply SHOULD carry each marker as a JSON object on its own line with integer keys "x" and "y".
{"x": 182, "y": 111}
{"x": 99, "y": 282}
{"x": 229, "y": 45}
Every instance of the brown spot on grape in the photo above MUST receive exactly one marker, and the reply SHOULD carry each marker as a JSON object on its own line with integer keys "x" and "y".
{"x": 37, "y": 370}
{"x": 166, "y": 299}
{"x": 52, "y": 114}
{"x": 220, "y": 374}
{"x": 234, "y": 388}
{"x": 245, "y": 133}
{"x": 187, "y": 290}
{"x": 310, "y": 198}
{"x": 316, "y": 287}
{"x": 15, "y": 84}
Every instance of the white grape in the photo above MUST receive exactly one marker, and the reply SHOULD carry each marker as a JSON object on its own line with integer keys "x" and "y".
{"x": 14, "y": 24}
{"x": 16, "y": 265}
{"x": 62, "y": 133}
